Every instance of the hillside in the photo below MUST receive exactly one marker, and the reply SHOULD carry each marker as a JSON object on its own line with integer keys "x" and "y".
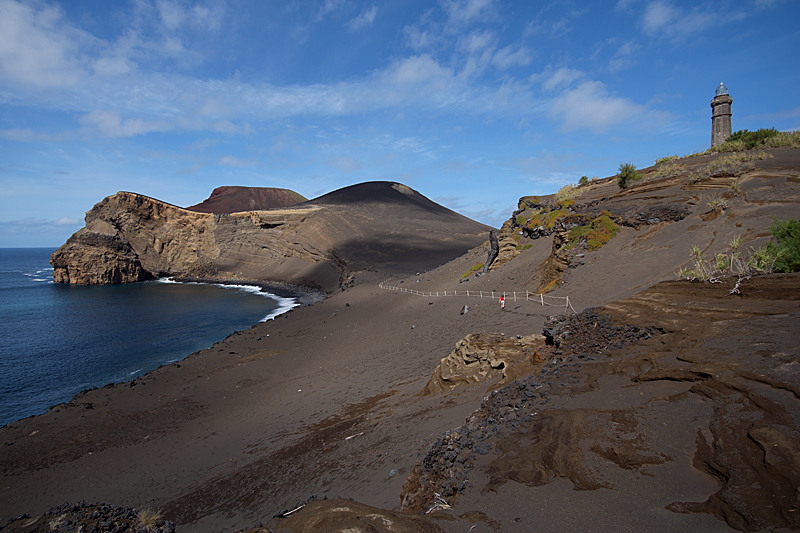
{"x": 646, "y": 403}
{"x": 233, "y": 199}
{"x": 129, "y": 237}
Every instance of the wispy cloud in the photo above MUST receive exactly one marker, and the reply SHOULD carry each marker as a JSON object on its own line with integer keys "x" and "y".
{"x": 364, "y": 19}
{"x": 664, "y": 19}
{"x": 233, "y": 161}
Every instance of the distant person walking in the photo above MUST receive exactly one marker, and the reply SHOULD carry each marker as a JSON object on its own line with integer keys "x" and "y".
{"x": 502, "y": 303}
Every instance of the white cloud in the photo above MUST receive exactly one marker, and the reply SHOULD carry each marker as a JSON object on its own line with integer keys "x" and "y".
{"x": 416, "y": 70}
{"x": 417, "y": 38}
{"x": 329, "y": 6}
{"x": 111, "y": 124}
{"x": 476, "y": 41}
{"x": 590, "y": 106}
{"x": 510, "y": 57}
{"x": 233, "y": 161}
{"x": 37, "y": 225}
{"x": 622, "y": 59}
{"x": 364, "y": 19}
{"x": 560, "y": 78}
{"x": 18, "y": 134}
{"x": 461, "y": 12}
{"x": 175, "y": 14}
{"x": 658, "y": 15}
{"x": 172, "y": 14}
{"x": 663, "y": 19}
{"x": 36, "y": 46}
{"x": 346, "y": 164}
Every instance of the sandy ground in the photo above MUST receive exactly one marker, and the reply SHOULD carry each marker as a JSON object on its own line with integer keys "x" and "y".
{"x": 693, "y": 428}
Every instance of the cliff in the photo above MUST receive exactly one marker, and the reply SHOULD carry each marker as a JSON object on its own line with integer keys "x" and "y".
{"x": 129, "y": 237}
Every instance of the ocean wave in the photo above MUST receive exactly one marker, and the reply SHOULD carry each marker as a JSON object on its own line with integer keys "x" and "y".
{"x": 284, "y": 304}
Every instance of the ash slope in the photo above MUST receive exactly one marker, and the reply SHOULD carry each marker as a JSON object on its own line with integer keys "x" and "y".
{"x": 327, "y": 400}
{"x": 129, "y": 237}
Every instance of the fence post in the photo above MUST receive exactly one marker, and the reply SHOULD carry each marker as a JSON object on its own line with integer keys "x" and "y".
{"x": 541, "y": 295}
{"x": 566, "y": 306}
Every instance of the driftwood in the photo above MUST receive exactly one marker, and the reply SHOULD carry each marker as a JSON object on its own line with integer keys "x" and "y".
{"x": 495, "y": 249}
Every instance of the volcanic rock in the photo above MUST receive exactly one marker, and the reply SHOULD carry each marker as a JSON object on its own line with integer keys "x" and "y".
{"x": 129, "y": 237}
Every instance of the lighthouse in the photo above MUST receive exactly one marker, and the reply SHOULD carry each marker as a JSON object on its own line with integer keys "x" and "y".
{"x": 721, "y": 116}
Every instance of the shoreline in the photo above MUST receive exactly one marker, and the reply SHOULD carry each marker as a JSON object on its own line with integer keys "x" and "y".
{"x": 279, "y": 291}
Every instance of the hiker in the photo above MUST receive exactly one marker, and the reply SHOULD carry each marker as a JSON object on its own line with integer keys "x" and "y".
{"x": 502, "y": 303}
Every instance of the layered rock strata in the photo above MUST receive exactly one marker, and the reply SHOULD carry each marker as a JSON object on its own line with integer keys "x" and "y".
{"x": 129, "y": 237}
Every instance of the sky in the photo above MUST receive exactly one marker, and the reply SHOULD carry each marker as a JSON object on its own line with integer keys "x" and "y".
{"x": 473, "y": 103}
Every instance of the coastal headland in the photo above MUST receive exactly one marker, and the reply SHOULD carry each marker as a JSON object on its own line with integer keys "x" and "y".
{"x": 606, "y": 395}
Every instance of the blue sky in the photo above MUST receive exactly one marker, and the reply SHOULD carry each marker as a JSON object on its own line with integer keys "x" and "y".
{"x": 474, "y": 103}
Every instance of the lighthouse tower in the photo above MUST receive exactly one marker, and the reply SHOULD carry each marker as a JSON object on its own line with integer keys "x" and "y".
{"x": 721, "y": 116}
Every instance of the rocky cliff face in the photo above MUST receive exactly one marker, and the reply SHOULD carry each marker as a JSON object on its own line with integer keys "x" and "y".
{"x": 129, "y": 237}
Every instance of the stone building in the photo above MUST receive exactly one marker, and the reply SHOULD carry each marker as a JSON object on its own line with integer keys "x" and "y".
{"x": 721, "y": 116}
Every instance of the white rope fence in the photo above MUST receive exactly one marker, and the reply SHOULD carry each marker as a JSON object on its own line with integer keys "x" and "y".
{"x": 543, "y": 299}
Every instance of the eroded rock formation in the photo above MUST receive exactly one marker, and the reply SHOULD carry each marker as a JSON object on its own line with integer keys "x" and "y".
{"x": 129, "y": 237}
{"x": 479, "y": 357}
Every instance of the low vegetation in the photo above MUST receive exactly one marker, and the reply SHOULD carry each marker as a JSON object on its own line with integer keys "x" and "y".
{"x": 148, "y": 519}
{"x": 594, "y": 235}
{"x": 666, "y": 159}
{"x": 781, "y": 255}
{"x": 786, "y": 249}
{"x": 471, "y": 270}
{"x": 729, "y": 165}
{"x": 718, "y": 204}
{"x": 729, "y": 263}
{"x": 749, "y": 140}
{"x": 668, "y": 169}
{"x": 567, "y": 192}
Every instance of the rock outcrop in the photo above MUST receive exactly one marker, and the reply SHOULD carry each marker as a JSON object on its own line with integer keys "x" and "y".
{"x": 129, "y": 237}
{"x": 479, "y": 357}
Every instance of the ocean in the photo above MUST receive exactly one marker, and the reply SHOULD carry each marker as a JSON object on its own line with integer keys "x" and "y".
{"x": 57, "y": 340}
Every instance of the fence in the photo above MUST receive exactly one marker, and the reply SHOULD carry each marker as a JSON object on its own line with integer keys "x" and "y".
{"x": 513, "y": 296}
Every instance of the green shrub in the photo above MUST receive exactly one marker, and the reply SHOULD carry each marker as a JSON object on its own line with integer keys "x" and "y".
{"x": 751, "y": 139}
{"x": 627, "y": 174}
{"x": 787, "y": 249}
{"x": 747, "y": 140}
{"x": 520, "y": 220}
{"x": 583, "y": 181}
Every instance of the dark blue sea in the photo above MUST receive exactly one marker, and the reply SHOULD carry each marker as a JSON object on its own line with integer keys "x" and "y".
{"x": 57, "y": 340}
